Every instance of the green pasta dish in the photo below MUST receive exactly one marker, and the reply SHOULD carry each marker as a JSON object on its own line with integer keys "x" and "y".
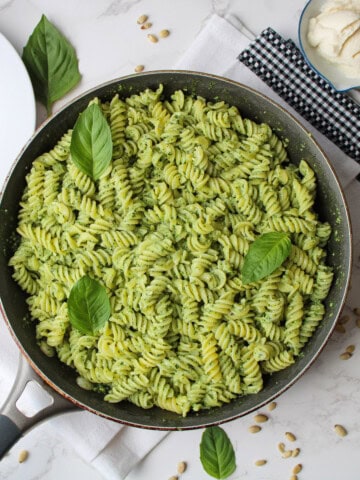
{"x": 166, "y": 229}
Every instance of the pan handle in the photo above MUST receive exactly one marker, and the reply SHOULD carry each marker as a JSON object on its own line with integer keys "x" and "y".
{"x": 14, "y": 423}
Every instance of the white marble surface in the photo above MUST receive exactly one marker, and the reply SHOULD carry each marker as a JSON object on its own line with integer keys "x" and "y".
{"x": 109, "y": 44}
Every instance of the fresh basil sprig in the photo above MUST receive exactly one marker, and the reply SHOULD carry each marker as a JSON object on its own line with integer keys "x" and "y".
{"x": 51, "y": 62}
{"x": 217, "y": 453}
{"x": 88, "y": 305}
{"x": 91, "y": 143}
{"x": 265, "y": 255}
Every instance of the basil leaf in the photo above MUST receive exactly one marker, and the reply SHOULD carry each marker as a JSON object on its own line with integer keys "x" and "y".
{"x": 51, "y": 62}
{"x": 91, "y": 143}
{"x": 88, "y": 305}
{"x": 216, "y": 453}
{"x": 265, "y": 255}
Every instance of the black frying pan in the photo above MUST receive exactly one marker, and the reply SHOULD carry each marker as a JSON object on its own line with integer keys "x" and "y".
{"x": 330, "y": 203}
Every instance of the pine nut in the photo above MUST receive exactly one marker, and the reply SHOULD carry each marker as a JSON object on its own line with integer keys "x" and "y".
{"x": 23, "y": 455}
{"x": 345, "y": 356}
{"x": 295, "y": 452}
{"x": 297, "y": 469}
{"x": 181, "y": 467}
{"x": 142, "y": 19}
{"x": 254, "y": 429}
{"x": 272, "y": 406}
{"x": 281, "y": 447}
{"x": 84, "y": 383}
{"x": 174, "y": 477}
{"x": 357, "y": 311}
{"x": 261, "y": 418}
{"x": 294, "y": 477}
{"x": 152, "y": 38}
{"x": 340, "y": 328}
{"x": 290, "y": 436}
{"x": 139, "y": 68}
{"x": 340, "y": 430}
{"x": 164, "y": 33}
{"x": 260, "y": 463}
{"x": 350, "y": 348}
{"x": 146, "y": 26}
{"x": 287, "y": 454}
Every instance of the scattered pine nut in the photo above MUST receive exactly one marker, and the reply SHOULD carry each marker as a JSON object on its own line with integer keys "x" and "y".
{"x": 47, "y": 349}
{"x": 139, "y": 68}
{"x": 261, "y": 418}
{"x": 23, "y": 455}
{"x": 350, "y": 348}
{"x": 357, "y": 311}
{"x": 254, "y": 429}
{"x": 181, "y": 467}
{"x": 295, "y": 452}
{"x": 290, "y": 436}
{"x": 260, "y": 463}
{"x": 84, "y": 383}
{"x": 297, "y": 469}
{"x": 281, "y": 447}
{"x": 272, "y": 406}
{"x": 146, "y": 26}
{"x": 294, "y": 477}
{"x": 152, "y": 38}
{"x": 345, "y": 356}
{"x": 164, "y": 33}
{"x": 287, "y": 454}
{"x": 340, "y": 430}
{"x": 174, "y": 477}
{"x": 344, "y": 319}
{"x": 358, "y": 322}
{"x": 340, "y": 328}
{"x": 142, "y": 19}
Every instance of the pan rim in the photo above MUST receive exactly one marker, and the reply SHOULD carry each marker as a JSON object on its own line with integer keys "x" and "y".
{"x": 304, "y": 130}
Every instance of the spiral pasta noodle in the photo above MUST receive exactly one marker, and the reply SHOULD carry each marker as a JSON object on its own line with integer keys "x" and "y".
{"x": 166, "y": 229}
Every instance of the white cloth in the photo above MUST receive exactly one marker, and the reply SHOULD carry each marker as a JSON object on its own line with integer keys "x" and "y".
{"x": 111, "y": 448}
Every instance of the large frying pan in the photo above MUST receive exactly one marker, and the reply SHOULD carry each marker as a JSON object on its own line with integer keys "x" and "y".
{"x": 60, "y": 379}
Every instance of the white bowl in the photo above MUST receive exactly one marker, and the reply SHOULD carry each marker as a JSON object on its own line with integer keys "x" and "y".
{"x": 330, "y": 72}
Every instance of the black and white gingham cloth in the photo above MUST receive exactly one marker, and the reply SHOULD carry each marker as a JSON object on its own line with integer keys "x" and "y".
{"x": 281, "y": 65}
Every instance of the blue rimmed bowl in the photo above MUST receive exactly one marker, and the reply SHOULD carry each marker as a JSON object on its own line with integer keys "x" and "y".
{"x": 327, "y": 70}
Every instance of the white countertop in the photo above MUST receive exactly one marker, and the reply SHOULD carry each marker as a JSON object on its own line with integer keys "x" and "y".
{"x": 110, "y": 44}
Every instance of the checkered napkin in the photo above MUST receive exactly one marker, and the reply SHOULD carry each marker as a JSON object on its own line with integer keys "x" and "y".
{"x": 280, "y": 64}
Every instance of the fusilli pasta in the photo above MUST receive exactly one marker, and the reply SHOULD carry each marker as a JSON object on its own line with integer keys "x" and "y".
{"x": 166, "y": 229}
